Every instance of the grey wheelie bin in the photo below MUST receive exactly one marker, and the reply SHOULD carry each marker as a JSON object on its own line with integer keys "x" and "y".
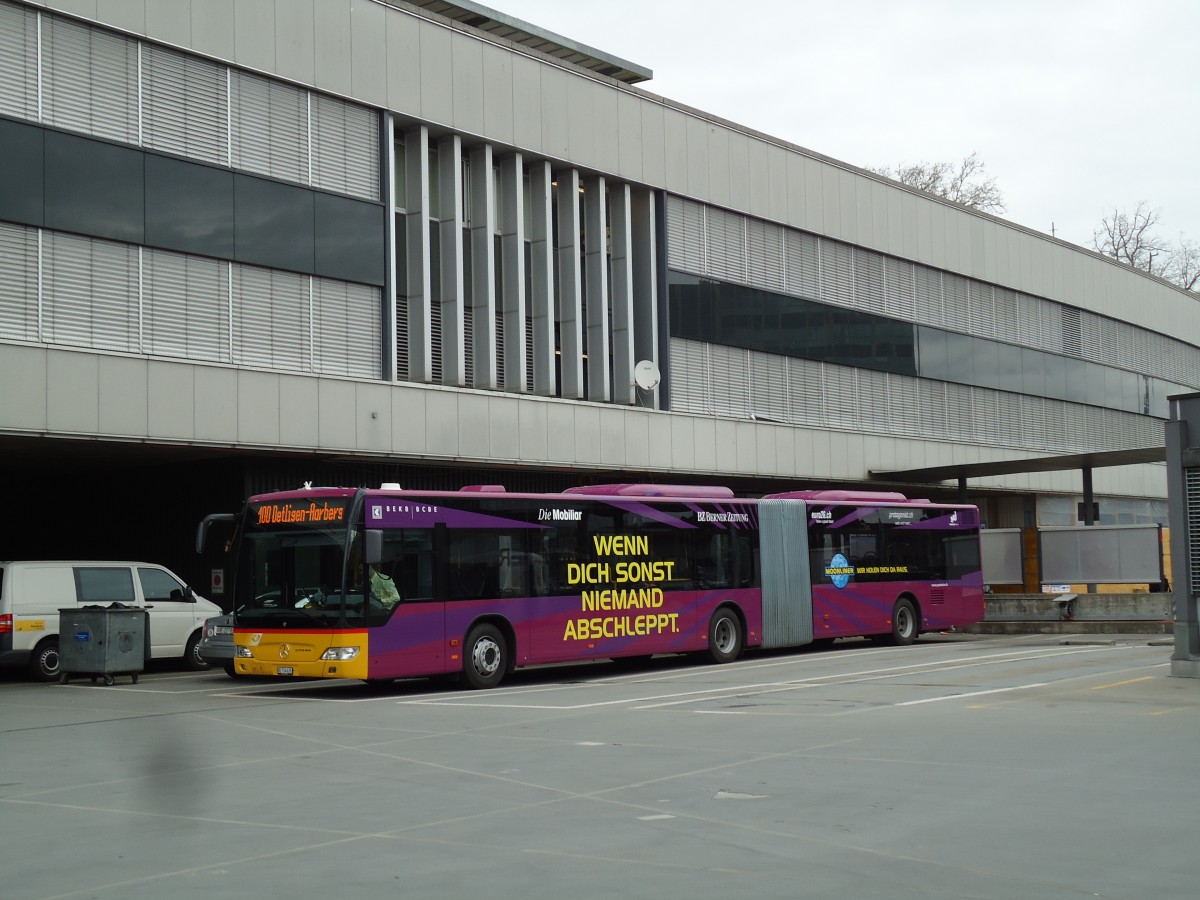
{"x": 102, "y": 641}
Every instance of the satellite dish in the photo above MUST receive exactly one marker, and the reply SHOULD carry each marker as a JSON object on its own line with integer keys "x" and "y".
{"x": 645, "y": 375}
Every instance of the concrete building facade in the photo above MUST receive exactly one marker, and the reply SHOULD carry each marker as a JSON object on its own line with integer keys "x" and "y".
{"x": 247, "y": 243}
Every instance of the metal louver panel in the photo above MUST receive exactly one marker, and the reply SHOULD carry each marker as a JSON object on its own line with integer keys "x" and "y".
{"x": 401, "y": 326}
{"x": 903, "y": 406}
{"x": 1008, "y": 414}
{"x": 956, "y": 299}
{"x": 805, "y": 392}
{"x": 872, "y": 400}
{"x": 837, "y": 273}
{"x": 932, "y": 400}
{"x": 345, "y": 147}
{"x": 18, "y": 62}
{"x": 89, "y": 80}
{"x": 726, "y": 246}
{"x": 1033, "y": 420}
{"x": 1005, "y": 302}
{"x": 802, "y": 256}
{"x": 900, "y": 294}
{"x": 689, "y": 378}
{"x": 271, "y": 323}
{"x": 90, "y": 293}
{"x": 685, "y": 236}
{"x": 1191, "y": 502}
{"x": 768, "y": 386}
{"x": 270, "y": 128}
{"x": 347, "y": 329}
{"x": 869, "y": 289}
{"x": 764, "y": 255}
{"x": 840, "y": 389}
{"x": 960, "y": 412}
{"x": 729, "y": 369}
{"x": 1072, "y": 331}
{"x": 981, "y": 308}
{"x": 18, "y": 275}
{"x": 928, "y": 284}
{"x": 185, "y": 306}
{"x": 184, "y": 105}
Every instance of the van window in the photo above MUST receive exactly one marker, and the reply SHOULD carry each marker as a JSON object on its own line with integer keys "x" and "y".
{"x": 104, "y": 585}
{"x": 157, "y": 585}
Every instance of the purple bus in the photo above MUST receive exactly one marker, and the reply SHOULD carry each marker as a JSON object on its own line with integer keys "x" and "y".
{"x": 385, "y": 584}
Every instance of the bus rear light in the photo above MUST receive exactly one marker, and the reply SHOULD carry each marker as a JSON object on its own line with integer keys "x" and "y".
{"x": 340, "y": 654}
{"x": 6, "y": 623}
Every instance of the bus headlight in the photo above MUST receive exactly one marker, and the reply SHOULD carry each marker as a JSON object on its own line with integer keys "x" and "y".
{"x": 242, "y": 652}
{"x": 340, "y": 654}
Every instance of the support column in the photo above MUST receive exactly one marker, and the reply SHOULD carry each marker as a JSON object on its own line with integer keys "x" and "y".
{"x": 595, "y": 245}
{"x": 623, "y": 360}
{"x": 416, "y": 227}
{"x": 644, "y": 249}
{"x": 541, "y": 262}
{"x": 512, "y": 267}
{"x": 570, "y": 293}
{"x": 1183, "y": 494}
{"x": 483, "y": 269}
{"x": 452, "y": 294}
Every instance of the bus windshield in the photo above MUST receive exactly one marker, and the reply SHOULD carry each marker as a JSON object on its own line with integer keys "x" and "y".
{"x": 292, "y": 558}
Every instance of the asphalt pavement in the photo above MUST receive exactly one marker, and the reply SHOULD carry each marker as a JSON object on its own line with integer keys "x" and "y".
{"x": 964, "y": 766}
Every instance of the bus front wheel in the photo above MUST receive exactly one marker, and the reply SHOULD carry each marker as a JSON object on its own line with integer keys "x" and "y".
{"x": 724, "y": 636}
{"x": 484, "y": 657}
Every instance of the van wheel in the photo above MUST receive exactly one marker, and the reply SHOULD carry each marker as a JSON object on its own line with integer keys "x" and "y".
{"x": 45, "y": 663}
{"x": 191, "y": 655}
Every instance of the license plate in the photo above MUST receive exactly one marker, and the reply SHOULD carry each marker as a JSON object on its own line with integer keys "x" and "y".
{"x": 285, "y": 670}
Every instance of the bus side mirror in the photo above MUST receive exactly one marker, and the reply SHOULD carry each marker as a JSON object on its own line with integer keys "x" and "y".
{"x": 372, "y": 546}
{"x": 206, "y": 523}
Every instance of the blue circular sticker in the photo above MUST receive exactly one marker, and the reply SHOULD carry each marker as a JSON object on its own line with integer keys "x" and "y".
{"x": 839, "y": 571}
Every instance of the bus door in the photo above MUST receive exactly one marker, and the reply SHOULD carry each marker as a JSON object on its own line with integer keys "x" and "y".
{"x": 408, "y": 615}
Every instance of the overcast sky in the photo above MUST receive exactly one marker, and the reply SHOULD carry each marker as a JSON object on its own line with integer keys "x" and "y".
{"x": 1074, "y": 106}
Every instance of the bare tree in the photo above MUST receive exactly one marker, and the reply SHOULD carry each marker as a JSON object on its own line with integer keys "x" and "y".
{"x": 1130, "y": 238}
{"x": 963, "y": 182}
{"x": 1183, "y": 267}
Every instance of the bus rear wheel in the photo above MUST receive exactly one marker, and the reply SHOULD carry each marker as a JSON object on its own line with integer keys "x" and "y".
{"x": 904, "y": 623}
{"x": 485, "y": 657}
{"x": 724, "y": 636}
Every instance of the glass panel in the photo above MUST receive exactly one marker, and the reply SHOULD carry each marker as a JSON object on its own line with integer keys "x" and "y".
{"x": 350, "y": 239}
{"x": 158, "y": 585}
{"x": 22, "y": 176}
{"x": 94, "y": 188}
{"x": 104, "y": 585}
{"x": 274, "y": 224}
{"x": 1033, "y": 373}
{"x": 189, "y": 207}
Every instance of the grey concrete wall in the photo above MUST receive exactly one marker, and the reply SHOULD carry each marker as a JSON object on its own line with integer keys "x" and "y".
{"x": 70, "y": 393}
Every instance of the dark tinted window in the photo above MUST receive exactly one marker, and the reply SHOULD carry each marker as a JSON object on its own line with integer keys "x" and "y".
{"x": 21, "y": 175}
{"x": 350, "y": 239}
{"x": 273, "y": 224}
{"x": 94, "y": 188}
{"x": 189, "y": 207}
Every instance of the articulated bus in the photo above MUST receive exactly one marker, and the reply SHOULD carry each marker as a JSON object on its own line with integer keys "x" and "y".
{"x": 381, "y": 584}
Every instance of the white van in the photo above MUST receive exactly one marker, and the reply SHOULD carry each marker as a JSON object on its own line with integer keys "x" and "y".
{"x": 32, "y": 593}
